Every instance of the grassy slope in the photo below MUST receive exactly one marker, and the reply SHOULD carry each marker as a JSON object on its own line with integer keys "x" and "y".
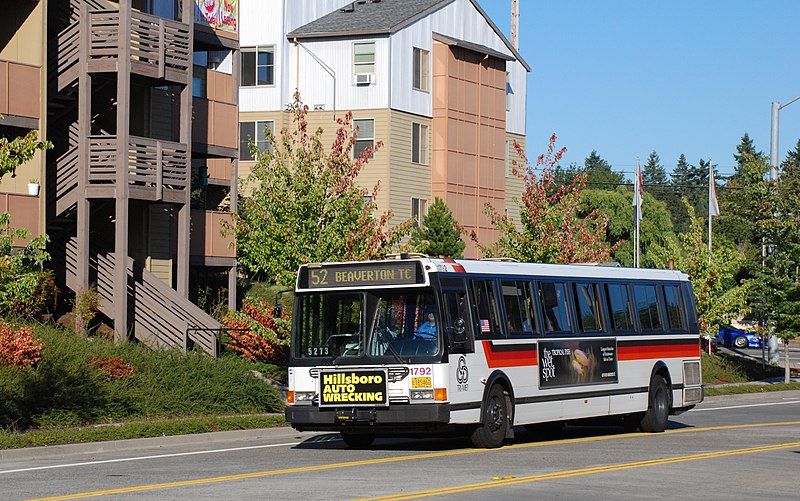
{"x": 723, "y": 368}
{"x": 63, "y": 390}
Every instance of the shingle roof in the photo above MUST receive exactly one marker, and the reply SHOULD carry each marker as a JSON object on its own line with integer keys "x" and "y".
{"x": 365, "y": 17}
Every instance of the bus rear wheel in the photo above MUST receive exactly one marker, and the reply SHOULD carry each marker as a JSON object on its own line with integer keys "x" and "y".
{"x": 492, "y": 432}
{"x": 657, "y": 416}
{"x": 358, "y": 440}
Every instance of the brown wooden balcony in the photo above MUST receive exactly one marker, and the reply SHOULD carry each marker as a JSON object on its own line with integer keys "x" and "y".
{"x": 20, "y": 94}
{"x": 208, "y": 246}
{"x": 154, "y": 170}
{"x": 159, "y": 47}
{"x": 24, "y": 210}
{"x": 216, "y": 117}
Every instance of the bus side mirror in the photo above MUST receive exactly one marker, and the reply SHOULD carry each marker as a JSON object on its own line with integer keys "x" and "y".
{"x": 459, "y": 331}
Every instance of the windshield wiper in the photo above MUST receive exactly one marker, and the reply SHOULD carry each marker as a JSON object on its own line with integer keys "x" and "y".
{"x": 392, "y": 348}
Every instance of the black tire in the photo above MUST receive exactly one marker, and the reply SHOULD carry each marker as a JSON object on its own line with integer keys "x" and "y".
{"x": 741, "y": 342}
{"x": 492, "y": 432}
{"x": 358, "y": 440}
{"x": 657, "y": 416}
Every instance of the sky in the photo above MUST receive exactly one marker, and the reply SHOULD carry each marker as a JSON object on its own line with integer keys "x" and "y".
{"x": 628, "y": 77}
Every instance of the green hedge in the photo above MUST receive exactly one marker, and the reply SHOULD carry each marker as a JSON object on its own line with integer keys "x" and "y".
{"x": 65, "y": 390}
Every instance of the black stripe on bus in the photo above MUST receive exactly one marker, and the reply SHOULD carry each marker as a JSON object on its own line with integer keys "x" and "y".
{"x": 653, "y": 342}
{"x": 513, "y": 347}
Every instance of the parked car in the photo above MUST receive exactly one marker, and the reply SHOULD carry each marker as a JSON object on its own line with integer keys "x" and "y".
{"x": 732, "y": 337}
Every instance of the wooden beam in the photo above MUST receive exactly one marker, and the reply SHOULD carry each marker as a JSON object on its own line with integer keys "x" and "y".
{"x": 184, "y": 213}
{"x": 84, "y": 128}
{"x": 121, "y": 192}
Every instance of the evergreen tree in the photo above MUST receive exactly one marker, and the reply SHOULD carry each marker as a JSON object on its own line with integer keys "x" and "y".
{"x": 792, "y": 158}
{"x": 654, "y": 173}
{"x": 440, "y": 233}
{"x": 600, "y": 174}
{"x": 697, "y": 193}
{"x": 680, "y": 179}
{"x": 745, "y": 150}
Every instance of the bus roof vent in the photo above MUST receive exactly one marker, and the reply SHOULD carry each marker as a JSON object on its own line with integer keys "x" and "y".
{"x": 406, "y": 255}
{"x": 500, "y": 259}
{"x": 609, "y": 264}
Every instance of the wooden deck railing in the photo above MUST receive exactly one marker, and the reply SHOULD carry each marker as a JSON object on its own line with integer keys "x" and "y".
{"x": 161, "y": 317}
{"x": 157, "y": 44}
{"x": 151, "y": 163}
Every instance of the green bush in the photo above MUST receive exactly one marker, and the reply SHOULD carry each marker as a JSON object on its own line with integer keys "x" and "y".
{"x": 64, "y": 389}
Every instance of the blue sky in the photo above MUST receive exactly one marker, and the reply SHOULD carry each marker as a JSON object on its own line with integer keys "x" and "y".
{"x": 628, "y": 77}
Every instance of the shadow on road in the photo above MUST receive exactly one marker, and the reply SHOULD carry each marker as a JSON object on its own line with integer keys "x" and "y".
{"x": 579, "y": 429}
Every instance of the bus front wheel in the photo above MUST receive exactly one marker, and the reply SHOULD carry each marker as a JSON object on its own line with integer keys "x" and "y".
{"x": 491, "y": 433}
{"x": 358, "y": 440}
{"x": 657, "y": 416}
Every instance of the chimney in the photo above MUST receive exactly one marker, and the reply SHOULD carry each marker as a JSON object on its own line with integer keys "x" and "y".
{"x": 515, "y": 24}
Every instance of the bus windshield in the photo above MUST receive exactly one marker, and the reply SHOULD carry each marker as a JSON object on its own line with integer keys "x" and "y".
{"x": 376, "y": 324}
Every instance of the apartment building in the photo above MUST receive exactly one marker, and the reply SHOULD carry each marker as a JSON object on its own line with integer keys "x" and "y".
{"x": 435, "y": 80}
{"x": 139, "y": 98}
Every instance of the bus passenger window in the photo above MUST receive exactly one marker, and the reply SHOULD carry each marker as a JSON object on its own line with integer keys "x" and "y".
{"x": 676, "y": 313}
{"x": 554, "y": 303}
{"x": 647, "y": 307}
{"x": 486, "y": 309}
{"x": 619, "y": 306}
{"x": 586, "y": 303}
{"x": 520, "y": 308}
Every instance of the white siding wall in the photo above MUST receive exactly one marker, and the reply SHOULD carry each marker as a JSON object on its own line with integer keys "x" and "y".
{"x": 261, "y": 23}
{"x": 316, "y": 85}
{"x": 459, "y": 20}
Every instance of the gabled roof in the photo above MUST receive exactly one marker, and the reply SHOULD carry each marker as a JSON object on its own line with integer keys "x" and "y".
{"x": 383, "y": 17}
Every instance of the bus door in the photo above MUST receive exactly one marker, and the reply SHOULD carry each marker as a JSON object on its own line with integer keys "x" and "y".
{"x": 464, "y": 389}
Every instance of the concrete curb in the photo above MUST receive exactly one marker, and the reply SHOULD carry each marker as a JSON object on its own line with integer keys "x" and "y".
{"x": 57, "y": 451}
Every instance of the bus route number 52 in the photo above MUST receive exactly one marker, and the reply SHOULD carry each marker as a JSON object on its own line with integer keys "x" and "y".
{"x": 318, "y": 277}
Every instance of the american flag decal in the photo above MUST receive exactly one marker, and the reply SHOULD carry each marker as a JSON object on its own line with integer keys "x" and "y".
{"x": 485, "y": 326}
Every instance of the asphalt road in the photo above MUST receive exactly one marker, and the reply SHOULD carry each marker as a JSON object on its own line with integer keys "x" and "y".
{"x": 743, "y": 447}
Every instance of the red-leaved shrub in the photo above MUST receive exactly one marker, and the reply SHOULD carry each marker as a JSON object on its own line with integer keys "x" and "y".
{"x": 256, "y": 334}
{"x": 18, "y": 346}
{"x": 114, "y": 368}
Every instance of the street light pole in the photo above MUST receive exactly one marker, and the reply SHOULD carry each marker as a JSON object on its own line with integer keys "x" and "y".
{"x": 773, "y": 143}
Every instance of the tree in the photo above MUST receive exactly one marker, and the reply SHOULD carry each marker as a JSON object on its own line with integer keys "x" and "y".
{"x": 680, "y": 179}
{"x": 440, "y": 233}
{"x": 305, "y": 205}
{"x": 719, "y": 298}
{"x": 656, "y": 225}
{"x": 553, "y": 229}
{"x": 745, "y": 150}
{"x": 654, "y": 173}
{"x": 599, "y": 172}
{"x": 19, "y": 150}
{"x": 792, "y": 158}
{"x": 742, "y": 206}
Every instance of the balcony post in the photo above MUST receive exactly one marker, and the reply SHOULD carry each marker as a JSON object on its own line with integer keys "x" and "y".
{"x": 184, "y": 214}
{"x": 121, "y": 191}
{"x": 84, "y": 120}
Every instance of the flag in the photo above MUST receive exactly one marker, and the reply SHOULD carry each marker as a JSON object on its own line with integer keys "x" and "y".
{"x": 713, "y": 204}
{"x": 485, "y": 326}
{"x": 638, "y": 193}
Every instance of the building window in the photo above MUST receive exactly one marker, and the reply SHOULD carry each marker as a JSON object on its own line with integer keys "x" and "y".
{"x": 419, "y": 143}
{"x": 419, "y": 208}
{"x": 421, "y": 69}
{"x": 199, "y": 81}
{"x": 255, "y": 132}
{"x": 258, "y": 66}
{"x": 364, "y": 58}
{"x": 366, "y": 136}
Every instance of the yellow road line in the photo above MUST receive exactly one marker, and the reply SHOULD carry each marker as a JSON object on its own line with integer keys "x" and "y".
{"x": 393, "y": 459}
{"x": 508, "y": 480}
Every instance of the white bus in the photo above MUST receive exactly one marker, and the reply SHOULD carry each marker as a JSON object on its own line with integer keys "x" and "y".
{"x": 419, "y": 346}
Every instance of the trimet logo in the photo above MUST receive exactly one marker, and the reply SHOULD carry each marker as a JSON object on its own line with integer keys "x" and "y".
{"x": 462, "y": 375}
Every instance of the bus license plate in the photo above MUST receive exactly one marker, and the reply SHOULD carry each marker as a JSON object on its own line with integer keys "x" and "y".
{"x": 421, "y": 382}
{"x": 353, "y": 388}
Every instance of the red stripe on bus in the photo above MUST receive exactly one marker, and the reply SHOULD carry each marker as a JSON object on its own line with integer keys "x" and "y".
{"x": 658, "y": 351}
{"x": 510, "y": 358}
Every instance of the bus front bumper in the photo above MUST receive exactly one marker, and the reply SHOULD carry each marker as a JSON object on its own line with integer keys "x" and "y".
{"x": 312, "y": 418}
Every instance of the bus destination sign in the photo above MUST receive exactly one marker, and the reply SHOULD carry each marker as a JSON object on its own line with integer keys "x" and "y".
{"x": 361, "y": 275}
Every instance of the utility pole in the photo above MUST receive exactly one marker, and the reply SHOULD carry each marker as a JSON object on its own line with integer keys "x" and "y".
{"x": 515, "y": 24}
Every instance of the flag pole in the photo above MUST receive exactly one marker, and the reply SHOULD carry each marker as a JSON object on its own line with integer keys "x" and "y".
{"x": 710, "y": 203}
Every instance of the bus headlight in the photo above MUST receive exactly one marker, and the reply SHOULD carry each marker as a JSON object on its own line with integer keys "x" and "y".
{"x": 304, "y": 396}
{"x": 421, "y": 394}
